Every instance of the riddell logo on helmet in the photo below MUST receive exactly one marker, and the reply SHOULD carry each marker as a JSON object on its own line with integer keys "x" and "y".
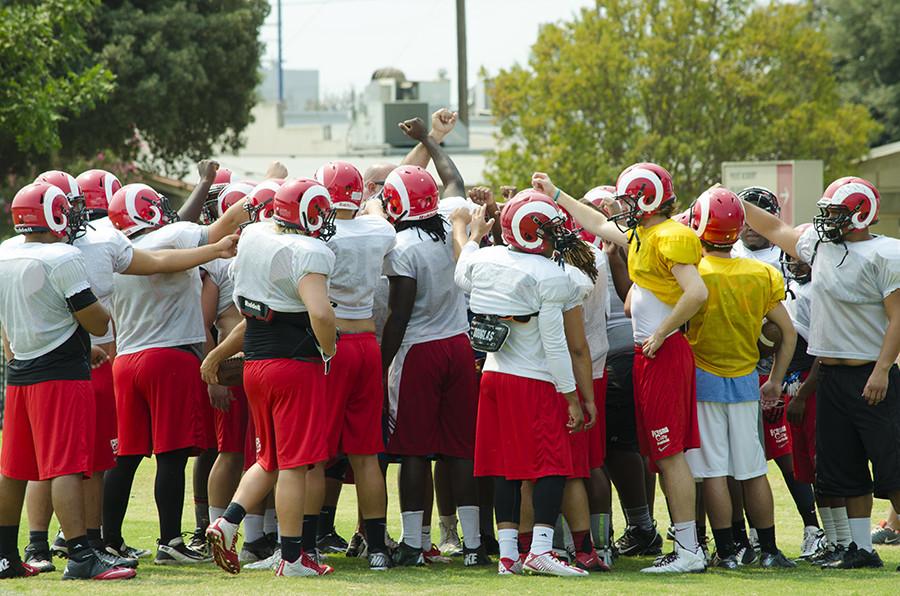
{"x": 661, "y": 436}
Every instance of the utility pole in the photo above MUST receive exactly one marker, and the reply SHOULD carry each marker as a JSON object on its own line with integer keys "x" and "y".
{"x": 461, "y": 62}
{"x": 280, "y": 73}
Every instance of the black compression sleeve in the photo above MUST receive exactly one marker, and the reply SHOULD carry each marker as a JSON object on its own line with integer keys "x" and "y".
{"x": 82, "y": 299}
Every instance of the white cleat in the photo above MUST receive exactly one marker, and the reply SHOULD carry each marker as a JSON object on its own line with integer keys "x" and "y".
{"x": 270, "y": 563}
{"x": 549, "y": 564}
{"x": 813, "y": 541}
{"x": 305, "y": 566}
{"x": 680, "y": 561}
{"x": 450, "y": 544}
{"x": 511, "y": 566}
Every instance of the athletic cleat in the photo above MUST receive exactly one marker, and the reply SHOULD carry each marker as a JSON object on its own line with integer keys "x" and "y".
{"x": 636, "y": 542}
{"x": 357, "y": 546}
{"x": 884, "y": 534}
{"x": 115, "y": 560}
{"x": 406, "y": 556}
{"x": 331, "y": 543}
{"x": 813, "y": 539}
{"x": 670, "y": 534}
{"x": 176, "y": 552}
{"x": 37, "y": 555}
{"x": 704, "y": 546}
{"x": 549, "y": 564}
{"x": 433, "y": 555}
{"x": 729, "y": 562}
{"x": 607, "y": 555}
{"x": 258, "y": 550}
{"x": 590, "y": 562}
{"x": 775, "y": 561}
{"x": 380, "y": 561}
{"x": 269, "y": 563}
{"x": 450, "y": 543}
{"x": 476, "y": 557}
{"x": 746, "y": 555}
{"x": 754, "y": 539}
{"x": 679, "y": 561}
{"x": 90, "y": 566}
{"x": 507, "y": 566}
{"x": 126, "y": 552}
{"x": 856, "y": 558}
{"x": 60, "y": 547}
{"x": 827, "y": 555}
{"x": 198, "y": 542}
{"x": 389, "y": 542}
{"x": 302, "y": 567}
{"x": 11, "y": 569}
{"x": 223, "y": 536}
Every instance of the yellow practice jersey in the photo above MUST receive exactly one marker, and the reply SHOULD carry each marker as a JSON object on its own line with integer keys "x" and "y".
{"x": 655, "y": 250}
{"x": 723, "y": 333}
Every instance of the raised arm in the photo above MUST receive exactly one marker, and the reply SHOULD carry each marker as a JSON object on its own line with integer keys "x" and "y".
{"x": 772, "y": 229}
{"x": 442, "y": 122}
{"x": 228, "y": 223}
{"x": 173, "y": 260}
{"x": 192, "y": 207}
{"x": 589, "y": 218}
{"x": 451, "y": 178}
{"x": 482, "y": 195}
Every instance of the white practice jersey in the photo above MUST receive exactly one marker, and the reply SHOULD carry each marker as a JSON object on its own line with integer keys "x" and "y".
{"x": 38, "y": 278}
{"x": 769, "y": 256}
{"x": 799, "y": 307}
{"x": 359, "y": 245}
{"x": 106, "y": 251}
{"x": 504, "y": 282}
{"x": 849, "y": 284}
{"x": 161, "y": 310}
{"x": 219, "y": 271}
{"x": 269, "y": 266}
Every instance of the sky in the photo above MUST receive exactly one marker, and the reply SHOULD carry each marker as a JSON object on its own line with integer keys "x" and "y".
{"x": 346, "y": 40}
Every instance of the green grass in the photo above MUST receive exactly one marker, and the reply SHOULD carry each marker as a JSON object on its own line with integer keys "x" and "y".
{"x": 352, "y": 576}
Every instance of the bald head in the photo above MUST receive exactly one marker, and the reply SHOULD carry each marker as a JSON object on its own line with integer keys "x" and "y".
{"x": 374, "y": 177}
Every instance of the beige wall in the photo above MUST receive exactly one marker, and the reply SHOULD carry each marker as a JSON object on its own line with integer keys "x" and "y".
{"x": 884, "y": 173}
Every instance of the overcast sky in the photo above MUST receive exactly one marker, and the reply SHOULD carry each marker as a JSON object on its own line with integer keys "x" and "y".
{"x": 346, "y": 40}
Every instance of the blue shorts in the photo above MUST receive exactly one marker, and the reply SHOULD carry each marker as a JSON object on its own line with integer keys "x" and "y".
{"x": 727, "y": 390}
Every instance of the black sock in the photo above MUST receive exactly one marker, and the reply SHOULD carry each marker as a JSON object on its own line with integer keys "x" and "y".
{"x": 94, "y": 539}
{"x": 9, "y": 541}
{"x": 78, "y": 547}
{"x": 168, "y": 492}
{"x": 724, "y": 542}
{"x": 35, "y": 537}
{"x": 810, "y": 519}
{"x": 701, "y": 531}
{"x": 290, "y": 548}
{"x": 201, "y": 513}
{"x": 767, "y": 540}
{"x": 310, "y": 524}
{"x": 375, "y": 534}
{"x": 234, "y": 513}
{"x": 326, "y": 520}
{"x": 116, "y": 493}
{"x": 739, "y": 533}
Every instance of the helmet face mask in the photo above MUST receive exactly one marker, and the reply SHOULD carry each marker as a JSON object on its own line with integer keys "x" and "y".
{"x": 833, "y": 222}
{"x": 630, "y": 214}
{"x": 555, "y": 231}
{"x": 794, "y": 269}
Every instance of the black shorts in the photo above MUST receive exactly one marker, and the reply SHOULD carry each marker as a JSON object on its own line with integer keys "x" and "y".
{"x": 850, "y": 433}
{"x": 621, "y": 429}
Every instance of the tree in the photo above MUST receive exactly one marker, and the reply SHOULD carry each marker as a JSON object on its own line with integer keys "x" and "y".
{"x": 867, "y": 57}
{"x": 47, "y": 77}
{"x": 186, "y": 73}
{"x": 685, "y": 83}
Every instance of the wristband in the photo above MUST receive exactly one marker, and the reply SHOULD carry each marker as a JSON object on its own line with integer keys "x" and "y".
{"x": 556, "y": 196}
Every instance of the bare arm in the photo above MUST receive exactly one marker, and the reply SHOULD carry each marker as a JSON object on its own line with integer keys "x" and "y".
{"x": 313, "y": 291}
{"x": 779, "y": 315}
{"x": 589, "y": 218}
{"x": 374, "y": 207}
{"x": 618, "y": 266}
{"x": 94, "y": 318}
{"x": 7, "y": 351}
{"x": 227, "y": 348}
{"x": 172, "y": 260}
{"x": 401, "y": 300}
{"x": 876, "y": 387}
{"x": 442, "y": 122}
{"x": 209, "y": 303}
{"x": 573, "y": 323}
{"x": 772, "y": 229}
{"x": 192, "y": 207}
{"x": 693, "y": 296}
{"x": 446, "y": 169}
{"x": 228, "y": 223}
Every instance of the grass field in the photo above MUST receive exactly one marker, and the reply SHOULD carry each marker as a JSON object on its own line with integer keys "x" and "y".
{"x": 352, "y": 576}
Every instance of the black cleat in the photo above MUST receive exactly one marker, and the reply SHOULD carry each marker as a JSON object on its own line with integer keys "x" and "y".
{"x": 856, "y": 558}
{"x": 775, "y": 560}
{"x": 476, "y": 557}
{"x": 407, "y": 556}
{"x": 37, "y": 555}
{"x": 636, "y": 542}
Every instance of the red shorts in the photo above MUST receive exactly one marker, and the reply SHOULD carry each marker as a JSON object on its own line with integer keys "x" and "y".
{"x": 433, "y": 399}
{"x": 48, "y": 430}
{"x": 231, "y": 426}
{"x": 521, "y": 433}
{"x": 597, "y": 435}
{"x": 803, "y": 440}
{"x": 158, "y": 401}
{"x": 106, "y": 442}
{"x": 776, "y": 436}
{"x": 665, "y": 398}
{"x": 355, "y": 394}
{"x": 286, "y": 399}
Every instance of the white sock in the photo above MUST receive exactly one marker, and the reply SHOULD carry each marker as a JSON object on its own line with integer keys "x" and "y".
{"x": 215, "y": 513}
{"x": 412, "y": 528}
{"x": 471, "y": 525}
{"x": 426, "y": 537}
{"x": 542, "y": 540}
{"x": 686, "y": 535}
{"x": 270, "y": 524}
{"x": 509, "y": 543}
{"x": 841, "y": 526}
{"x": 828, "y": 524}
{"x": 861, "y": 532}
{"x": 253, "y": 527}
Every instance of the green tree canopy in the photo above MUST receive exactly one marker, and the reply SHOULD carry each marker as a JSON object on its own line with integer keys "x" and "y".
{"x": 685, "y": 83}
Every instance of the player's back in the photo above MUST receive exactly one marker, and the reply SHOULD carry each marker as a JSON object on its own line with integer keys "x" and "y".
{"x": 360, "y": 245}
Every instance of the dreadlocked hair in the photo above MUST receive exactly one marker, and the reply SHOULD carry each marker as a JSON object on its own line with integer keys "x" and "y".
{"x": 434, "y": 226}
{"x": 580, "y": 256}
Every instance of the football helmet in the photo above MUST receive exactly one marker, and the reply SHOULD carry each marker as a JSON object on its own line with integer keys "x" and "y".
{"x": 98, "y": 187}
{"x": 410, "y": 194}
{"x": 260, "y": 202}
{"x": 598, "y": 197}
{"x": 530, "y": 220}
{"x": 848, "y": 204}
{"x": 642, "y": 189}
{"x": 63, "y": 180}
{"x": 223, "y": 178}
{"x": 44, "y": 207}
{"x": 762, "y": 197}
{"x": 304, "y": 204}
{"x": 232, "y": 193}
{"x": 684, "y": 218}
{"x": 136, "y": 207}
{"x": 717, "y": 217}
{"x": 795, "y": 269}
{"x": 344, "y": 184}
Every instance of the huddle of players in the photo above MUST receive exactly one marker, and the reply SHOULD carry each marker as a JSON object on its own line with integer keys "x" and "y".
{"x": 309, "y": 264}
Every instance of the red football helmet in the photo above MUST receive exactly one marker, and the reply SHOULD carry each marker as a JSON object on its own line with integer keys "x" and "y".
{"x": 848, "y": 204}
{"x": 98, "y": 187}
{"x": 63, "y": 180}
{"x": 717, "y": 217}
{"x": 344, "y": 184}
{"x": 597, "y": 197}
{"x": 43, "y": 207}
{"x": 527, "y": 219}
{"x": 224, "y": 176}
{"x": 215, "y": 208}
{"x": 304, "y": 204}
{"x": 261, "y": 200}
{"x": 684, "y": 218}
{"x": 136, "y": 207}
{"x": 643, "y": 189}
{"x": 410, "y": 194}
